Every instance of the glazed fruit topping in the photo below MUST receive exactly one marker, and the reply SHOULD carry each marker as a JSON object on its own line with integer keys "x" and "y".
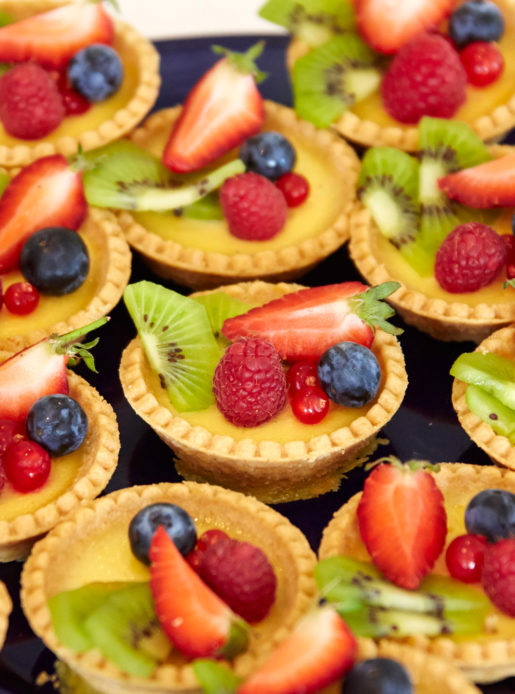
{"x": 294, "y": 187}
{"x": 208, "y": 538}
{"x": 377, "y": 676}
{"x": 268, "y": 154}
{"x": 464, "y": 557}
{"x": 476, "y": 20}
{"x": 491, "y": 184}
{"x": 254, "y": 208}
{"x": 350, "y": 374}
{"x": 57, "y": 423}
{"x": 302, "y": 374}
{"x": 470, "y": 257}
{"x": 491, "y": 513}
{"x": 249, "y": 382}
{"x": 509, "y": 241}
{"x": 96, "y": 72}
{"x": 483, "y": 63}
{"x": 498, "y": 578}
{"x": 402, "y": 521}
{"x": 310, "y": 405}
{"x": 27, "y": 465}
{"x": 11, "y": 430}
{"x": 21, "y": 298}
{"x": 177, "y": 523}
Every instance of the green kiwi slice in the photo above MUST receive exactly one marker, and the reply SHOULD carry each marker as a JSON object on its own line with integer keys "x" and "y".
{"x": 491, "y": 372}
{"x": 219, "y": 307}
{"x": 492, "y": 411}
{"x": 331, "y": 78}
{"x": 178, "y": 341}
{"x": 206, "y": 208}
{"x": 313, "y": 21}
{"x": 4, "y": 182}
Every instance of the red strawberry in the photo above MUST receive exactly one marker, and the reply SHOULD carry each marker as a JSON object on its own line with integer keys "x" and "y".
{"x": 388, "y": 24}
{"x": 40, "y": 370}
{"x": 222, "y": 110}
{"x": 302, "y": 325}
{"x": 52, "y": 38}
{"x": 402, "y": 521}
{"x": 196, "y": 620}
{"x": 319, "y": 651}
{"x": 45, "y": 193}
{"x": 491, "y": 184}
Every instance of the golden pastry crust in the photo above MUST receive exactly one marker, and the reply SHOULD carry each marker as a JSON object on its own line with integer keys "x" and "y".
{"x": 500, "y": 450}
{"x": 5, "y": 610}
{"x": 270, "y": 470}
{"x": 99, "y": 459}
{"x": 482, "y": 661}
{"x": 200, "y": 269}
{"x": 284, "y": 544}
{"x": 120, "y": 123}
{"x": 104, "y": 231}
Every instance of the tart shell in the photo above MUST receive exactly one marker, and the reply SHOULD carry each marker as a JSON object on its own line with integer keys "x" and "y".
{"x": 5, "y": 610}
{"x": 272, "y": 471}
{"x": 483, "y": 662}
{"x": 284, "y": 544}
{"x": 199, "y": 269}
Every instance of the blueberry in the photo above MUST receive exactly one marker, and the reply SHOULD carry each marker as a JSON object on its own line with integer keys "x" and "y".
{"x": 377, "y": 676}
{"x": 476, "y": 20}
{"x": 269, "y": 154}
{"x": 58, "y": 423}
{"x": 55, "y": 260}
{"x": 491, "y": 513}
{"x": 176, "y": 521}
{"x": 349, "y": 373}
{"x": 96, "y": 72}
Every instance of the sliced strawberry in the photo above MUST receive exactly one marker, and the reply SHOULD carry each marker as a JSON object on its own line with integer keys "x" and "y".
{"x": 222, "y": 110}
{"x": 402, "y": 521}
{"x": 319, "y": 651}
{"x": 488, "y": 185}
{"x": 196, "y": 620}
{"x": 387, "y": 26}
{"x": 45, "y": 193}
{"x": 304, "y": 324}
{"x": 52, "y": 38}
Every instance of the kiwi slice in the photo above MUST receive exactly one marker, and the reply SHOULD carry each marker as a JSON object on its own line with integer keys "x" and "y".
{"x": 219, "y": 307}
{"x": 331, "y": 78}
{"x": 215, "y": 678}
{"x": 69, "y": 682}
{"x": 312, "y": 21}
{"x": 388, "y": 187}
{"x": 491, "y": 372}
{"x": 4, "y": 179}
{"x": 206, "y": 208}
{"x": 125, "y": 176}
{"x": 492, "y": 411}
{"x": 127, "y": 632}
{"x": 178, "y": 341}
{"x": 444, "y": 146}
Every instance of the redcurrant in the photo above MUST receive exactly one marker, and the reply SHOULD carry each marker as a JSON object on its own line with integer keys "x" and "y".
{"x": 294, "y": 187}
{"x": 509, "y": 241}
{"x": 21, "y": 298}
{"x": 10, "y": 431}
{"x": 26, "y": 465}
{"x": 483, "y": 63}
{"x": 310, "y": 405}
{"x": 208, "y": 538}
{"x": 74, "y": 103}
{"x": 301, "y": 375}
{"x": 464, "y": 557}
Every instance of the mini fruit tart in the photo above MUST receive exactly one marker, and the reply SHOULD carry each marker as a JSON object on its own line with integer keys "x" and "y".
{"x": 59, "y": 440}
{"x": 98, "y": 538}
{"x": 372, "y": 75}
{"x": 252, "y": 439}
{"x": 5, "y": 610}
{"x": 430, "y": 585}
{"x": 96, "y": 76}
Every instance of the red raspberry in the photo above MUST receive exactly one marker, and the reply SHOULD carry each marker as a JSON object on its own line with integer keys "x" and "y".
{"x": 426, "y": 78}
{"x": 249, "y": 382}
{"x": 255, "y": 209}
{"x": 241, "y": 575}
{"x": 30, "y": 103}
{"x": 470, "y": 258}
{"x": 483, "y": 63}
{"x": 207, "y": 539}
{"x": 498, "y": 577}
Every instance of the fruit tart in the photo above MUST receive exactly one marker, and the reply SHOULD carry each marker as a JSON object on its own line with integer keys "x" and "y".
{"x": 74, "y": 77}
{"x": 228, "y": 187}
{"x": 441, "y": 225}
{"x": 5, "y": 610}
{"x": 63, "y": 263}
{"x": 229, "y": 412}
{"x": 425, "y": 556}
{"x": 372, "y": 73}
{"x": 59, "y": 439}
{"x": 193, "y": 558}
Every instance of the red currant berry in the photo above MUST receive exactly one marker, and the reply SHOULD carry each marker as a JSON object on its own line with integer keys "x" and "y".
{"x": 208, "y": 538}
{"x": 464, "y": 557}
{"x": 10, "y": 431}
{"x": 294, "y": 187}
{"x": 483, "y": 63}
{"x": 27, "y": 465}
{"x": 21, "y": 298}
{"x": 310, "y": 405}
{"x": 74, "y": 103}
{"x": 302, "y": 375}
{"x": 509, "y": 242}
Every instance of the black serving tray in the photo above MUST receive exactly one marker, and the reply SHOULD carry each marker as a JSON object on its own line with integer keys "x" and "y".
{"x": 425, "y": 426}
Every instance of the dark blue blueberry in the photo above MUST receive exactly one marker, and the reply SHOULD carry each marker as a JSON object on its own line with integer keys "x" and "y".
{"x": 55, "y": 260}
{"x": 491, "y": 513}
{"x": 349, "y": 373}
{"x": 377, "y": 676}
{"x": 269, "y": 154}
{"x": 176, "y": 521}
{"x": 96, "y": 72}
{"x": 476, "y": 20}
{"x": 58, "y": 423}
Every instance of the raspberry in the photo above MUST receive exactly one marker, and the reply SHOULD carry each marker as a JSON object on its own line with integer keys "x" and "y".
{"x": 249, "y": 382}
{"x": 207, "y": 539}
{"x": 255, "y": 209}
{"x": 241, "y": 575}
{"x": 469, "y": 258}
{"x": 498, "y": 577}
{"x": 30, "y": 103}
{"x": 426, "y": 78}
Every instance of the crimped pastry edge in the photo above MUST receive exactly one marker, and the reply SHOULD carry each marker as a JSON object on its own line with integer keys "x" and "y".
{"x": 6, "y": 606}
